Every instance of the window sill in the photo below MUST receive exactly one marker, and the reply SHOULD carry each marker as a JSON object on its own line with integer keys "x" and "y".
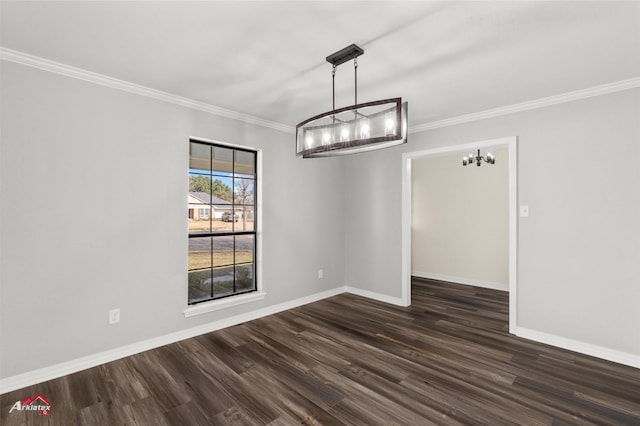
{"x": 216, "y": 305}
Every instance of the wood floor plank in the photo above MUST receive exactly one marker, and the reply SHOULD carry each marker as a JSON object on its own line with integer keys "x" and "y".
{"x": 187, "y": 414}
{"x": 226, "y": 352}
{"x": 446, "y": 360}
{"x": 378, "y": 408}
{"x": 231, "y": 387}
{"x": 291, "y": 404}
{"x": 305, "y": 384}
{"x": 400, "y": 394}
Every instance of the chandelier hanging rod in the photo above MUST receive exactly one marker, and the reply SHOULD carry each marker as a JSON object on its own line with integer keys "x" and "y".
{"x": 340, "y": 57}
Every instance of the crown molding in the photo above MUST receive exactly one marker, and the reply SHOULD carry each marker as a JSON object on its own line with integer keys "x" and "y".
{"x": 114, "y": 83}
{"x": 604, "y": 89}
{"x": 103, "y": 80}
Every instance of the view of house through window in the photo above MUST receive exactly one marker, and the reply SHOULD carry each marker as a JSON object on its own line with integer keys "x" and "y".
{"x": 222, "y": 211}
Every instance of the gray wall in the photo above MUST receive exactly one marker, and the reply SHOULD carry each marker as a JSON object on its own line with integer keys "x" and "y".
{"x": 578, "y": 252}
{"x": 93, "y": 202}
{"x": 93, "y": 216}
{"x": 460, "y": 219}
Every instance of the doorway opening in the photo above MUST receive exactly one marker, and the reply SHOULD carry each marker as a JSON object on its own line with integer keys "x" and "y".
{"x": 511, "y": 145}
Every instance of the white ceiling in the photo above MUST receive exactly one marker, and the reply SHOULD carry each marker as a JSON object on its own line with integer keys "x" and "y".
{"x": 267, "y": 59}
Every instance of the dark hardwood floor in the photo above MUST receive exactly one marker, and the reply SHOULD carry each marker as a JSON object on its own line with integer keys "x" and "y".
{"x": 447, "y": 359}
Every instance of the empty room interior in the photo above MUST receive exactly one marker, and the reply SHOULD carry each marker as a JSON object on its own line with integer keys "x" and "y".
{"x": 345, "y": 213}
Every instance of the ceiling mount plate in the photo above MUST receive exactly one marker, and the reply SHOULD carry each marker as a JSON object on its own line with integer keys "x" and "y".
{"x": 344, "y": 55}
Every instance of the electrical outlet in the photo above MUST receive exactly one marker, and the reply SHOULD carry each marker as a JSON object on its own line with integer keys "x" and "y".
{"x": 320, "y": 273}
{"x": 114, "y": 316}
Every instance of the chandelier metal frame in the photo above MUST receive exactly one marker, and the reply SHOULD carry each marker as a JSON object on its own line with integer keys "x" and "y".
{"x": 355, "y": 128}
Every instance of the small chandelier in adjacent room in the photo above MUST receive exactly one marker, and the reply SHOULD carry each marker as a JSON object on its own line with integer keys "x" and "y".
{"x": 478, "y": 159}
{"x": 355, "y": 128}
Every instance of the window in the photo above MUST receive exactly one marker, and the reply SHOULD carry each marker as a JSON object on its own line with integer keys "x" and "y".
{"x": 222, "y": 234}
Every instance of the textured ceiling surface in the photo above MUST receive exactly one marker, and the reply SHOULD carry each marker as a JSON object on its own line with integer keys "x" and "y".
{"x": 267, "y": 59}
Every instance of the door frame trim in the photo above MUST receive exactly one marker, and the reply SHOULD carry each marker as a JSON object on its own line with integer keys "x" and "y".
{"x": 511, "y": 143}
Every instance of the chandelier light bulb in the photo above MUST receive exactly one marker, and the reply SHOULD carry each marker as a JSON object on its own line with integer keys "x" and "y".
{"x": 390, "y": 126}
{"x": 364, "y": 130}
{"x": 326, "y": 137}
{"x": 344, "y": 133}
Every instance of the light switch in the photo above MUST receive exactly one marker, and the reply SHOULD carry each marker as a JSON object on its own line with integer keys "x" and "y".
{"x": 524, "y": 211}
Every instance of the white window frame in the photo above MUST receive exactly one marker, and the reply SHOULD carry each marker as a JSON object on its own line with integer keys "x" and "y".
{"x": 240, "y": 299}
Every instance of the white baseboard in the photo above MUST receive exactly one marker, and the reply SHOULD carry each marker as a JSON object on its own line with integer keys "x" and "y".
{"x": 458, "y": 280}
{"x": 52, "y": 372}
{"x": 375, "y": 296}
{"x": 581, "y": 347}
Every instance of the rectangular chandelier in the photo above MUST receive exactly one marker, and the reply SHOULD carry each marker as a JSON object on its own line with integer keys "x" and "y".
{"x": 356, "y": 128}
